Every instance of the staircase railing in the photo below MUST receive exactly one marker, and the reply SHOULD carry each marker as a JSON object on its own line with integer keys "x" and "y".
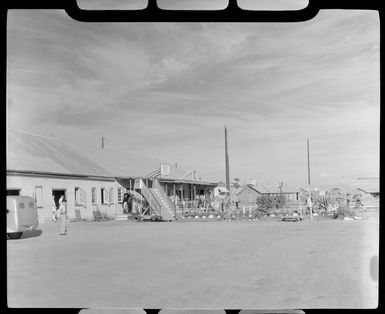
{"x": 154, "y": 173}
{"x": 151, "y": 199}
{"x": 165, "y": 197}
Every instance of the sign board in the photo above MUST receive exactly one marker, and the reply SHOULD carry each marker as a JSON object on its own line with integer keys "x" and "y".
{"x": 164, "y": 170}
{"x": 138, "y": 184}
{"x": 252, "y": 181}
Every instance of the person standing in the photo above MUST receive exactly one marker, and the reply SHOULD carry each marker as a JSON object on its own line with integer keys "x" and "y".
{"x": 63, "y": 215}
{"x": 125, "y": 203}
{"x": 54, "y": 209}
{"x": 201, "y": 200}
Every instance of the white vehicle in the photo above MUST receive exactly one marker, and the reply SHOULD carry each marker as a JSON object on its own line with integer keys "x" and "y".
{"x": 21, "y": 215}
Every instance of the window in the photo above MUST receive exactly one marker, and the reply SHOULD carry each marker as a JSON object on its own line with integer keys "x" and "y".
{"x": 39, "y": 196}
{"x": 111, "y": 197}
{"x": 120, "y": 195}
{"x": 93, "y": 195}
{"x": 104, "y": 196}
{"x": 76, "y": 196}
{"x": 80, "y": 197}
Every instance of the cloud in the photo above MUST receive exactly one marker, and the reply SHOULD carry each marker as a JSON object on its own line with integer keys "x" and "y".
{"x": 168, "y": 89}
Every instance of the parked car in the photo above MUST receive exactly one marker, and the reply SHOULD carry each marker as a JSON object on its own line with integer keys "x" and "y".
{"x": 292, "y": 216}
{"x": 21, "y": 215}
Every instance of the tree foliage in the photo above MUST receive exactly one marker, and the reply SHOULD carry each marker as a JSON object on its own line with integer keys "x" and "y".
{"x": 323, "y": 202}
{"x": 270, "y": 203}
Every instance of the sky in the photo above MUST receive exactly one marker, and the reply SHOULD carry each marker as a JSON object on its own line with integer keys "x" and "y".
{"x": 166, "y": 90}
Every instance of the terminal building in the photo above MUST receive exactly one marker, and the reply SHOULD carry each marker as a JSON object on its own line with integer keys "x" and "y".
{"x": 46, "y": 168}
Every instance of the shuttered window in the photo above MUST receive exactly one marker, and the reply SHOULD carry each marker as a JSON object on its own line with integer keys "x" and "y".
{"x": 111, "y": 196}
{"x": 93, "y": 195}
{"x": 104, "y": 196}
{"x": 80, "y": 197}
{"x": 39, "y": 196}
{"x": 120, "y": 195}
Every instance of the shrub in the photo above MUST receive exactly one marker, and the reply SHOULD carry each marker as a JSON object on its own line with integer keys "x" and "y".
{"x": 279, "y": 201}
{"x": 344, "y": 211}
{"x": 260, "y": 214}
{"x": 264, "y": 203}
{"x": 98, "y": 216}
{"x": 269, "y": 203}
{"x": 323, "y": 202}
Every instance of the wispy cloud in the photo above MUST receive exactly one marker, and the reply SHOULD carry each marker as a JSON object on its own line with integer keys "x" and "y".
{"x": 168, "y": 89}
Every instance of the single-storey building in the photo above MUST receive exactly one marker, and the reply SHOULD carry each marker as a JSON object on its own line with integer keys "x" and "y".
{"x": 46, "y": 168}
{"x": 370, "y": 188}
{"x": 179, "y": 184}
{"x": 248, "y": 195}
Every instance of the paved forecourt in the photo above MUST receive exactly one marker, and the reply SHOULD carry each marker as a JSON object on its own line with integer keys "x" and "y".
{"x": 219, "y": 265}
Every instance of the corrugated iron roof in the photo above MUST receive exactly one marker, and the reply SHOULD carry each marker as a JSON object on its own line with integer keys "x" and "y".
{"x": 369, "y": 186}
{"x": 29, "y": 152}
{"x": 125, "y": 163}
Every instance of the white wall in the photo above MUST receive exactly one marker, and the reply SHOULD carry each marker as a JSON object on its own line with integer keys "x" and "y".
{"x": 27, "y": 185}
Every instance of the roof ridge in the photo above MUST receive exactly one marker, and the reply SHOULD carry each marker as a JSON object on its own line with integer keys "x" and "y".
{"x": 33, "y": 134}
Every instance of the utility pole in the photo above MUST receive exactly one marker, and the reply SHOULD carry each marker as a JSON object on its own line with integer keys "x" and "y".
{"x": 227, "y": 170}
{"x": 280, "y": 185}
{"x": 102, "y": 142}
{"x": 308, "y": 181}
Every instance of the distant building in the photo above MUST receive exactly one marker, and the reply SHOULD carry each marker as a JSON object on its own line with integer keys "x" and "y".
{"x": 290, "y": 196}
{"x": 180, "y": 182}
{"x": 248, "y": 195}
{"x": 370, "y": 187}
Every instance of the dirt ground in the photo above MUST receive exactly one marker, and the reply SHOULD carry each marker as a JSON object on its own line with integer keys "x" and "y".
{"x": 239, "y": 265}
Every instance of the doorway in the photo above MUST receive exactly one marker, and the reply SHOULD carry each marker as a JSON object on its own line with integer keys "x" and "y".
{"x": 57, "y": 193}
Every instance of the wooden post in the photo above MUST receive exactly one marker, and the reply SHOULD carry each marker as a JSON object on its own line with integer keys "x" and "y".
{"x": 191, "y": 192}
{"x": 175, "y": 195}
{"x": 181, "y": 197}
{"x": 227, "y": 170}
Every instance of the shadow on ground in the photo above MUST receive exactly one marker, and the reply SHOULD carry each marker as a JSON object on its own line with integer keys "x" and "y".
{"x": 31, "y": 234}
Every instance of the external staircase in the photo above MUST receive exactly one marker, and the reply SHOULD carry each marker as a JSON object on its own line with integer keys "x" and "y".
{"x": 159, "y": 202}
{"x": 156, "y": 197}
{"x": 167, "y": 206}
{"x": 119, "y": 215}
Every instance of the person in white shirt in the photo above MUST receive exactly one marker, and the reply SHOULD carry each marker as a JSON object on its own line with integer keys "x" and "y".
{"x": 54, "y": 209}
